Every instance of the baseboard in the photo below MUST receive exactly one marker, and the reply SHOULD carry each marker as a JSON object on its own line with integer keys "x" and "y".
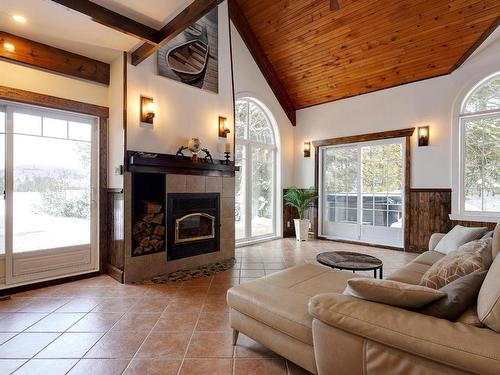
{"x": 363, "y": 244}
{"x": 46, "y": 283}
{"x": 114, "y": 272}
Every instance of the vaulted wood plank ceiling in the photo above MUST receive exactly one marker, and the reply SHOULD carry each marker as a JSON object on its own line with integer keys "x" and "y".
{"x": 321, "y": 55}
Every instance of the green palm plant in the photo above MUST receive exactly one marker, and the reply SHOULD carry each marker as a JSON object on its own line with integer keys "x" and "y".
{"x": 301, "y": 199}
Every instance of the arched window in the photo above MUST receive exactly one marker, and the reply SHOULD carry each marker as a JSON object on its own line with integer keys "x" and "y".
{"x": 256, "y": 181}
{"x": 480, "y": 149}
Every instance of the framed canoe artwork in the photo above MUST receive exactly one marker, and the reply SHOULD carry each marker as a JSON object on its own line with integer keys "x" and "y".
{"x": 192, "y": 56}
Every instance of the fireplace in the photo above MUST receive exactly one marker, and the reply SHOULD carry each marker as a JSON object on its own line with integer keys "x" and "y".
{"x": 193, "y": 224}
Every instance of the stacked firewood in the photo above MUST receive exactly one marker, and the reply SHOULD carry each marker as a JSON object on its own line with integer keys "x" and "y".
{"x": 148, "y": 230}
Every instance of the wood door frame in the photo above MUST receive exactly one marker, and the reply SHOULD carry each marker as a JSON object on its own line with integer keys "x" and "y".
{"x": 102, "y": 113}
{"x": 400, "y": 133}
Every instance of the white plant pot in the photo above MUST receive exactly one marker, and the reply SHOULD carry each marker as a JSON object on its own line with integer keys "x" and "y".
{"x": 301, "y": 229}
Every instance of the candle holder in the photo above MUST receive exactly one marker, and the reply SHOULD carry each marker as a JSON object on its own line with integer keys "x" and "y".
{"x": 227, "y": 157}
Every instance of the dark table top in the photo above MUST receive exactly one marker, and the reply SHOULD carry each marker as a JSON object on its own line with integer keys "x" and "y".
{"x": 349, "y": 260}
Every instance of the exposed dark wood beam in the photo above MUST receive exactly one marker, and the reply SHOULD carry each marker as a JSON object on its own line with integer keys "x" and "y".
{"x": 54, "y": 59}
{"x": 334, "y": 5}
{"x": 111, "y": 19}
{"x": 253, "y": 45}
{"x": 191, "y": 14}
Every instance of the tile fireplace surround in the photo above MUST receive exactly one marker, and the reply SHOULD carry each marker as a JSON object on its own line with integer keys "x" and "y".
{"x": 146, "y": 266}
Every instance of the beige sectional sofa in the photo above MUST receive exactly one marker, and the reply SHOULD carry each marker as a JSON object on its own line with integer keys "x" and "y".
{"x": 301, "y": 314}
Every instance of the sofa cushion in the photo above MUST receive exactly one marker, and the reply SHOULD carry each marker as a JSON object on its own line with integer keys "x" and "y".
{"x": 460, "y": 295}
{"x": 392, "y": 293}
{"x": 470, "y": 317}
{"x": 280, "y": 300}
{"x": 458, "y": 236}
{"x": 429, "y": 258}
{"x": 411, "y": 273}
{"x": 471, "y": 257}
{"x": 488, "y": 301}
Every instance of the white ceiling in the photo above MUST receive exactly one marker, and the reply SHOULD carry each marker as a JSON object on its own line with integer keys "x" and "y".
{"x": 55, "y": 25}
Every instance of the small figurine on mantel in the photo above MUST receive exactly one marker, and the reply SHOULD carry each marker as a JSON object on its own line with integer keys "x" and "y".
{"x": 179, "y": 152}
{"x": 227, "y": 152}
{"x": 208, "y": 157}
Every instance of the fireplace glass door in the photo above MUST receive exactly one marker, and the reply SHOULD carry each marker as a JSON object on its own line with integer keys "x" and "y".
{"x": 194, "y": 227}
{"x": 50, "y": 191}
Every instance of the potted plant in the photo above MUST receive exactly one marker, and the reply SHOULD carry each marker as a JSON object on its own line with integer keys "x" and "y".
{"x": 301, "y": 199}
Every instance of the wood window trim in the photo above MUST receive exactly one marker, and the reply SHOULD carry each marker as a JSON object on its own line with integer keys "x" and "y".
{"x": 47, "y": 101}
{"x": 400, "y": 133}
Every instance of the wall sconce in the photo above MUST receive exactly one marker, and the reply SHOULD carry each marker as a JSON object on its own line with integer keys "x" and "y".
{"x": 423, "y": 136}
{"x": 147, "y": 110}
{"x": 307, "y": 149}
{"x": 223, "y": 129}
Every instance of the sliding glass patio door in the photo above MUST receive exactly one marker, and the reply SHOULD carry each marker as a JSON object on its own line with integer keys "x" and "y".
{"x": 49, "y": 174}
{"x": 362, "y": 192}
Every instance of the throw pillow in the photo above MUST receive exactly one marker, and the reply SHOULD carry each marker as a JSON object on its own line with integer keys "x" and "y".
{"x": 471, "y": 257}
{"x": 392, "y": 293}
{"x": 458, "y": 236}
{"x": 488, "y": 301}
{"x": 460, "y": 295}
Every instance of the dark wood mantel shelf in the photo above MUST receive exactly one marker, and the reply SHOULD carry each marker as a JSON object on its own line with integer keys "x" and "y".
{"x": 167, "y": 163}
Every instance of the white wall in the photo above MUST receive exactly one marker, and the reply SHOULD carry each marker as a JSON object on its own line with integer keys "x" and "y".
{"x": 249, "y": 81}
{"x": 430, "y": 102}
{"x": 115, "y": 126}
{"x": 182, "y": 111}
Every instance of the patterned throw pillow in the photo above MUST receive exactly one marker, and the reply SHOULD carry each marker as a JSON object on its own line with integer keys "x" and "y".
{"x": 470, "y": 257}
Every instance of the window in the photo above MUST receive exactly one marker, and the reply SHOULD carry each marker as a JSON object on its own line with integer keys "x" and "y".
{"x": 480, "y": 149}
{"x": 255, "y": 182}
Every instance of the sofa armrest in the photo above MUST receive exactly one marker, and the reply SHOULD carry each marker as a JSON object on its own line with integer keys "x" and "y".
{"x": 455, "y": 344}
{"x": 435, "y": 238}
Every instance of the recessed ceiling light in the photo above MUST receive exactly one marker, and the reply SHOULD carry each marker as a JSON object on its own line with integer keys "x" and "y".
{"x": 9, "y": 47}
{"x": 19, "y": 18}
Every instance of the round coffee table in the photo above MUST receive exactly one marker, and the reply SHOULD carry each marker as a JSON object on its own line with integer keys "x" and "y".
{"x": 346, "y": 260}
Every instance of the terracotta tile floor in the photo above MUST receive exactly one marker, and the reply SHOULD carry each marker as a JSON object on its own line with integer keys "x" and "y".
{"x": 97, "y": 326}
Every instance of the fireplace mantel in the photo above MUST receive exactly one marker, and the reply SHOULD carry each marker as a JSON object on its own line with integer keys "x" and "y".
{"x": 171, "y": 164}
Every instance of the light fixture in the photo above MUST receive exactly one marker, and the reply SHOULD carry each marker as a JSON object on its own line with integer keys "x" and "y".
{"x": 147, "y": 110}
{"x": 423, "y": 136}
{"x": 9, "y": 46}
{"x": 223, "y": 129}
{"x": 19, "y": 18}
{"x": 307, "y": 149}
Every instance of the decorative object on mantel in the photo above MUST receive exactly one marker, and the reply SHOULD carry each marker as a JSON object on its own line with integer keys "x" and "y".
{"x": 208, "y": 157}
{"x": 194, "y": 146}
{"x": 179, "y": 152}
{"x": 227, "y": 152}
{"x": 423, "y": 136}
{"x": 195, "y": 273}
{"x": 147, "y": 155}
{"x": 223, "y": 129}
{"x": 301, "y": 199}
